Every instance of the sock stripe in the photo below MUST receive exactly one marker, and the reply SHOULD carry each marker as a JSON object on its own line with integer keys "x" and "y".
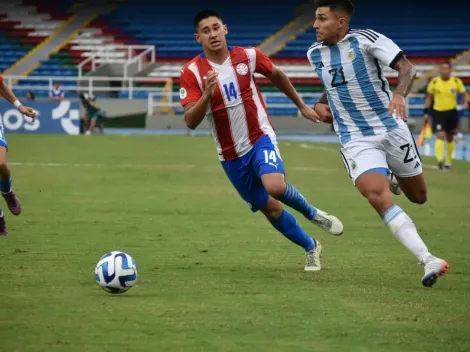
{"x": 391, "y": 213}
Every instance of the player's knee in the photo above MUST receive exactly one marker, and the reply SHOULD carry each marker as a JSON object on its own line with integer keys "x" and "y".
{"x": 379, "y": 199}
{"x": 420, "y": 197}
{"x": 441, "y": 135}
{"x": 275, "y": 189}
{"x": 272, "y": 211}
{"x": 3, "y": 165}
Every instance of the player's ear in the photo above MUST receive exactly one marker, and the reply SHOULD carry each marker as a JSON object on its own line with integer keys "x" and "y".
{"x": 196, "y": 36}
{"x": 225, "y": 29}
{"x": 343, "y": 22}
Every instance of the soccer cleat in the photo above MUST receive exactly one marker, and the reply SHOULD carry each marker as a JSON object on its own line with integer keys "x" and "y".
{"x": 13, "y": 203}
{"x": 3, "y": 226}
{"x": 447, "y": 166}
{"x": 394, "y": 186}
{"x": 312, "y": 259}
{"x": 440, "y": 165}
{"x": 327, "y": 222}
{"x": 433, "y": 268}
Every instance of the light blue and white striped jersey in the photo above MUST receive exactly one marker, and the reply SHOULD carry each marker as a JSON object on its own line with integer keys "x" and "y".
{"x": 352, "y": 73}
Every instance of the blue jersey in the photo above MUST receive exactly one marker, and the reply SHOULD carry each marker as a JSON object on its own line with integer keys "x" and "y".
{"x": 57, "y": 93}
{"x": 352, "y": 72}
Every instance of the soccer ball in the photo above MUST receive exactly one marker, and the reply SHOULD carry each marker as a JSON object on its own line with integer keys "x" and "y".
{"x": 116, "y": 272}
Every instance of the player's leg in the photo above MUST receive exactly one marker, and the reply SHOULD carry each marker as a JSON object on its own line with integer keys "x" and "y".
{"x": 92, "y": 123}
{"x": 283, "y": 221}
{"x": 404, "y": 161}
{"x": 5, "y": 179}
{"x": 438, "y": 127}
{"x": 451, "y": 130}
{"x": 269, "y": 167}
{"x": 251, "y": 190}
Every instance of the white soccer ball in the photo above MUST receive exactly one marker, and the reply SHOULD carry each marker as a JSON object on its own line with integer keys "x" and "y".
{"x": 116, "y": 272}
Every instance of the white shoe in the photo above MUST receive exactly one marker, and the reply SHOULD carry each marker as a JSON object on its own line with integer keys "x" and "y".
{"x": 328, "y": 222}
{"x": 312, "y": 259}
{"x": 394, "y": 186}
{"x": 87, "y": 133}
{"x": 433, "y": 268}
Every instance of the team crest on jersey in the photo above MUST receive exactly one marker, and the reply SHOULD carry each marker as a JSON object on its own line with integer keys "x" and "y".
{"x": 351, "y": 54}
{"x": 183, "y": 93}
{"x": 242, "y": 69}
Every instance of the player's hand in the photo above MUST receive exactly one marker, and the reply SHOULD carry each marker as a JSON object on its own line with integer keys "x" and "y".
{"x": 309, "y": 113}
{"x": 211, "y": 82}
{"x": 324, "y": 112}
{"x": 398, "y": 106}
{"x": 27, "y": 111}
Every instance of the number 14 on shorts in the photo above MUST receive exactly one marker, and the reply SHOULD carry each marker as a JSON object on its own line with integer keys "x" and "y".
{"x": 270, "y": 157}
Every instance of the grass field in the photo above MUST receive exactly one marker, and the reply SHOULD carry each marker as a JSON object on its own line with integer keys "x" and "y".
{"x": 212, "y": 276}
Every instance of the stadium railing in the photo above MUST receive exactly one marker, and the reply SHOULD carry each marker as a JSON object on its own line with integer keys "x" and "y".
{"x": 119, "y": 54}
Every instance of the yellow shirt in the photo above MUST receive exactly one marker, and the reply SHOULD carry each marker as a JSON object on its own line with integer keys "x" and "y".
{"x": 445, "y": 92}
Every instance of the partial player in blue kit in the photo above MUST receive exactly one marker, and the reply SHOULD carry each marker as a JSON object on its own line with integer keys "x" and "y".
{"x": 5, "y": 176}
{"x": 369, "y": 120}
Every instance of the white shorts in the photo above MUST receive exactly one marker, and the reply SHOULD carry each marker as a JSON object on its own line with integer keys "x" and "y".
{"x": 395, "y": 150}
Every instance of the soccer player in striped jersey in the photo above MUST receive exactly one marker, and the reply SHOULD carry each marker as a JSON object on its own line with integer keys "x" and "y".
{"x": 219, "y": 85}
{"x": 369, "y": 121}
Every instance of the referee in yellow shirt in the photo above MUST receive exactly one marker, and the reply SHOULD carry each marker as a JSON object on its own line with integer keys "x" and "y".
{"x": 442, "y": 98}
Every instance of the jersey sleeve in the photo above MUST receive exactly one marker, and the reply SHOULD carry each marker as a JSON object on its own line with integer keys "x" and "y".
{"x": 189, "y": 87}
{"x": 264, "y": 65}
{"x": 460, "y": 87}
{"x": 431, "y": 87}
{"x": 385, "y": 50}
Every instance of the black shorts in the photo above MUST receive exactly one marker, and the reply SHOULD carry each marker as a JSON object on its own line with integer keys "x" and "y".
{"x": 445, "y": 121}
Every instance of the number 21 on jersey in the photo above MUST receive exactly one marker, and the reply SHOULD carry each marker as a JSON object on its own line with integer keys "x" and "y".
{"x": 337, "y": 77}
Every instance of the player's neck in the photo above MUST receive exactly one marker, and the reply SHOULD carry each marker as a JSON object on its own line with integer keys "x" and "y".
{"x": 338, "y": 38}
{"x": 219, "y": 56}
{"x": 445, "y": 78}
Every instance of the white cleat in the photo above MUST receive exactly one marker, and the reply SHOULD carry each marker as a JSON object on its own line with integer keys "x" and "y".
{"x": 328, "y": 222}
{"x": 433, "y": 268}
{"x": 394, "y": 186}
{"x": 312, "y": 259}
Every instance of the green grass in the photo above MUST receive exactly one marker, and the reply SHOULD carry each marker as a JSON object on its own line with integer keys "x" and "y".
{"x": 213, "y": 276}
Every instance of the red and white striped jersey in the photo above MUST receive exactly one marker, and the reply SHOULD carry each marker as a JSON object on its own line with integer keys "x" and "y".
{"x": 237, "y": 112}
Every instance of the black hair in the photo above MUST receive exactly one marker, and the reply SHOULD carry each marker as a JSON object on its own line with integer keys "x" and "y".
{"x": 446, "y": 63}
{"x": 202, "y": 15}
{"x": 344, "y": 5}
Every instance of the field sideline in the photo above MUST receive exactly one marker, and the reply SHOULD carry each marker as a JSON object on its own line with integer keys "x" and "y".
{"x": 212, "y": 276}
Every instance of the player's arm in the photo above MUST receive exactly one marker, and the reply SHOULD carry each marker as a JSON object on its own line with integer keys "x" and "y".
{"x": 322, "y": 108}
{"x": 429, "y": 101}
{"x": 194, "y": 112}
{"x": 463, "y": 91}
{"x": 6, "y": 92}
{"x": 389, "y": 54}
{"x": 265, "y": 66}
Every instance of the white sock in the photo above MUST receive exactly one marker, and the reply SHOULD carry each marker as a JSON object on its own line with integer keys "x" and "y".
{"x": 405, "y": 231}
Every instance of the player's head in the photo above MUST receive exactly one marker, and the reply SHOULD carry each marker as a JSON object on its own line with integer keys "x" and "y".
{"x": 332, "y": 18}
{"x": 56, "y": 85}
{"x": 210, "y": 30}
{"x": 445, "y": 70}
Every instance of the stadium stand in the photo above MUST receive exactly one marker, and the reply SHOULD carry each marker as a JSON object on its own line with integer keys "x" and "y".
{"x": 168, "y": 27}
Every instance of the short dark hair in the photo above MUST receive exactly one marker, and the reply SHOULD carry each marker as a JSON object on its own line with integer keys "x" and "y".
{"x": 446, "y": 63}
{"x": 345, "y": 5}
{"x": 202, "y": 15}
